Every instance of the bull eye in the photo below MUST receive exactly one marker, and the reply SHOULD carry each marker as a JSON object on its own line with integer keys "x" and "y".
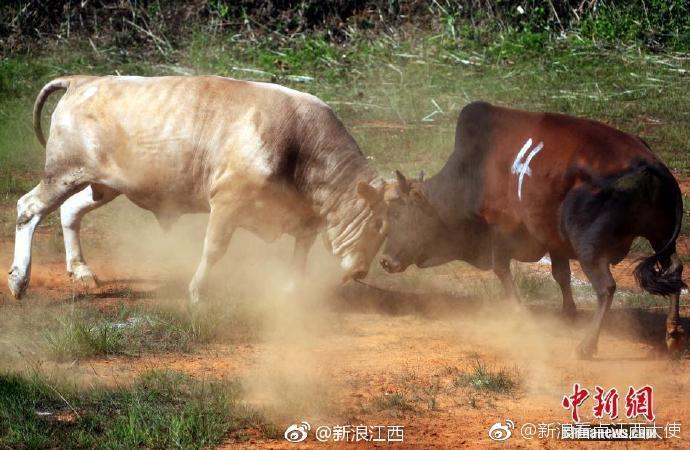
{"x": 378, "y": 224}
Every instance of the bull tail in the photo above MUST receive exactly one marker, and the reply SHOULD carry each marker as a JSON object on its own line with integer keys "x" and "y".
{"x": 52, "y": 86}
{"x": 649, "y": 273}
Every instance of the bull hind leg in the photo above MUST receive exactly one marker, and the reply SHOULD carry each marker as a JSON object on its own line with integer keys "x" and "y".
{"x": 599, "y": 274}
{"x": 71, "y": 213}
{"x": 32, "y": 208}
{"x": 675, "y": 334}
{"x": 218, "y": 234}
{"x": 560, "y": 270}
{"x": 672, "y": 266}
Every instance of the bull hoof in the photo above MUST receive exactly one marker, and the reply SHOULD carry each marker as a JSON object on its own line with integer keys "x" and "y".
{"x": 569, "y": 313}
{"x": 585, "y": 351}
{"x": 290, "y": 287}
{"x": 194, "y": 296}
{"x": 675, "y": 339}
{"x": 84, "y": 276}
{"x": 17, "y": 282}
{"x": 516, "y": 305}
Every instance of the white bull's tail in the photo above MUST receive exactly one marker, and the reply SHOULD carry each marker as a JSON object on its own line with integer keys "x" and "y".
{"x": 52, "y": 86}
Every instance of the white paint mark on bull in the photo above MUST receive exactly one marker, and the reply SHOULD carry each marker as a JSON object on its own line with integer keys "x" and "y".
{"x": 521, "y": 164}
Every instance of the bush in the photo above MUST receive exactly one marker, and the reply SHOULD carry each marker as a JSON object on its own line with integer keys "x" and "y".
{"x": 155, "y": 27}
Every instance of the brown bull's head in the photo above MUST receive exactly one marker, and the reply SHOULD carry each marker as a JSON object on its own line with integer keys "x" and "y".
{"x": 416, "y": 233}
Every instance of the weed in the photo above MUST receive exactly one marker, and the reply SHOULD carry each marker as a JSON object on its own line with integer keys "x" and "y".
{"x": 161, "y": 409}
{"x": 532, "y": 286}
{"x": 395, "y": 403}
{"x": 78, "y": 339}
{"x": 159, "y": 327}
{"x": 482, "y": 378}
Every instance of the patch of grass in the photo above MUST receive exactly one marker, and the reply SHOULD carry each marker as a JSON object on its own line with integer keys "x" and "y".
{"x": 161, "y": 409}
{"x": 486, "y": 289}
{"x": 531, "y": 286}
{"x": 685, "y": 226}
{"x": 394, "y": 402}
{"x": 641, "y": 245}
{"x": 431, "y": 393}
{"x": 170, "y": 326}
{"x": 412, "y": 394}
{"x": 412, "y": 87}
{"x": 483, "y": 378}
{"x": 641, "y": 300}
{"x": 75, "y": 338}
{"x": 469, "y": 398}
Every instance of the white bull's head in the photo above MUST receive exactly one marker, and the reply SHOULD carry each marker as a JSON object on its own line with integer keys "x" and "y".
{"x": 361, "y": 237}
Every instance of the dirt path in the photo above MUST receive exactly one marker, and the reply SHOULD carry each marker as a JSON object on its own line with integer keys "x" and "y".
{"x": 381, "y": 358}
{"x": 341, "y": 361}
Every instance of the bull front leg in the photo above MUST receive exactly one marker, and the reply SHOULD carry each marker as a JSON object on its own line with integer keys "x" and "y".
{"x": 218, "y": 234}
{"x": 32, "y": 208}
{"x": 298, "y": 265}
{"x": 501, "y": 266}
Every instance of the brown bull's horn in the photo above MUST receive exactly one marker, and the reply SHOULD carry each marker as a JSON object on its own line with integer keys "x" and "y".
{"x": 402, "y": 182}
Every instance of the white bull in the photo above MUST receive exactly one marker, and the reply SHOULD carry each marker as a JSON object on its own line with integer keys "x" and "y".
{"x": 254, "y": 155}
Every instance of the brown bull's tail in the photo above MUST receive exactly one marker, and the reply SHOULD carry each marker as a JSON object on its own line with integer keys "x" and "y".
{"x": 55, "y": 85}
{"x": 650, "y": 274}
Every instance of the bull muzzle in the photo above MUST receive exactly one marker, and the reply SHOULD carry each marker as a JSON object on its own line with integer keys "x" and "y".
{"x": 391, "y": 265}
{"x": 354, "y": 275}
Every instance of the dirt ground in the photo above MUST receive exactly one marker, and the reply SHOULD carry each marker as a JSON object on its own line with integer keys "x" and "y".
{"x": 329, "y": 358}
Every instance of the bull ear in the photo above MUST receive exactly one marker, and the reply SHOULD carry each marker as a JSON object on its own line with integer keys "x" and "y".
{"x": 402, "y": 182}
{"x": 368, "y": 193}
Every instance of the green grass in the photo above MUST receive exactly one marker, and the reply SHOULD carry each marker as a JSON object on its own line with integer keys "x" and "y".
{"x": 641, "y": 300}
{"x": 483, "y": 378}
{"x": 80, "y": 339}
{"x": 532, "y": 286}
{"x": 161, "y": 409}
{"x": 169, "y": 326}
{"x": 415, "y": 85}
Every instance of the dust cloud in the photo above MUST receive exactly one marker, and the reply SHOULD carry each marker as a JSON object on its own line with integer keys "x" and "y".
{"x": 310, "y": 350}
{"x": 287, "y": 373}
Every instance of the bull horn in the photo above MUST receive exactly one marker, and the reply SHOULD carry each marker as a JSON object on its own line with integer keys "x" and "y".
{"x": 402, "y": 182}
{"x": 421, "y": 175}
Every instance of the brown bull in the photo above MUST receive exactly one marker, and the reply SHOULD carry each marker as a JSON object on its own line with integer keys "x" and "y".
{"x": 520, "y": 184}
{"x": 254, "y": 155}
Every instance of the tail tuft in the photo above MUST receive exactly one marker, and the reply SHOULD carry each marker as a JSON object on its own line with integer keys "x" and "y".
{"x": 653, "y": 279}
